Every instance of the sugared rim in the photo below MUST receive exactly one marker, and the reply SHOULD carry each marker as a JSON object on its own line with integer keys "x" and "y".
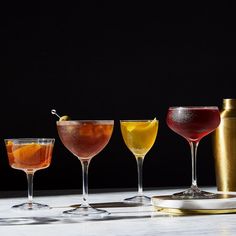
{"x": 67, "y": 122}
{"x": 194, "y": 107}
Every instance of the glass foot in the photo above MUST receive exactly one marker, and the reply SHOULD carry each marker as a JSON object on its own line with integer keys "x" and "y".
{"x": 139, "y": 200}
{"x": 31, "y": 206}
{"x": 194, "y": 193}
{"x": 88, "y": 212}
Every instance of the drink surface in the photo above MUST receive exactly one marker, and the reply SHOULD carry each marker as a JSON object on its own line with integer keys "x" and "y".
{"x": 139, "y": 136}
{"x": 85, "y": 139}
{"x": 29, "y": 156}
{"x": 193, "y": 123}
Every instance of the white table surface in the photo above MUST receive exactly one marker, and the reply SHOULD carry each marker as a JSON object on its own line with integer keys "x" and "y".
{"x": 122, "y": 220}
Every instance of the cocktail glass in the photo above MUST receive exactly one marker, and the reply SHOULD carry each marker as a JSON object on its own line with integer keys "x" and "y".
{"x": 85, "y": 139}
{"x": 30, "y": 155}
{"x": 193, "y": 123}
{"x": 139, "y": 136}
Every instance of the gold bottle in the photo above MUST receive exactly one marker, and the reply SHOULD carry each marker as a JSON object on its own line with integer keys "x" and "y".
{"x": 224, "y": 147}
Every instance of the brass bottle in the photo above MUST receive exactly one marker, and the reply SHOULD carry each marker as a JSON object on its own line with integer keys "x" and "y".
{"x": 224, "y": 147}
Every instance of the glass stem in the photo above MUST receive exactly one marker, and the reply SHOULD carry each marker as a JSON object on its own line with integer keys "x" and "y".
{"x": 139, "y": 160}
{"x": 193, "y": 146}
{"x": 85, "y": 166}
{"x": 30, "y": 177}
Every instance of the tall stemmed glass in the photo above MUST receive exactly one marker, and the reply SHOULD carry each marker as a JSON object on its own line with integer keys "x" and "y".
{"x": 30, "y": 155}
{"x": 139, "y": 136}
{"x": 193, "y": 123}
{"x": 85, "y": 139}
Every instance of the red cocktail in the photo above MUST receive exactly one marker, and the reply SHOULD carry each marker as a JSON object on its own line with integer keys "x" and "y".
{"x": 193, "y": 123}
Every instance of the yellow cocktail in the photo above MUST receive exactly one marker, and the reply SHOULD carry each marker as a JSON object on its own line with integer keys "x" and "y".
{"x": 139, "y": 136}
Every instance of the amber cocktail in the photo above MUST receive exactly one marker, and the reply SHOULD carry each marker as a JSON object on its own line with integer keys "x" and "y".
{"x": 85, "y": 139}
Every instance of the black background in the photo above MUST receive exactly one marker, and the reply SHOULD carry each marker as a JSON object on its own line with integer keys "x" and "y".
{"x": 115, "y": 61}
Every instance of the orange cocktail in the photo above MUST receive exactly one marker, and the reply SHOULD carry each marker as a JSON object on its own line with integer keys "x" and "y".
{"x": 30, "y": 155}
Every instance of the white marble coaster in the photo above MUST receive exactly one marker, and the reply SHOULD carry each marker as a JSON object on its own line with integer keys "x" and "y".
{"x": 223, "y": 203}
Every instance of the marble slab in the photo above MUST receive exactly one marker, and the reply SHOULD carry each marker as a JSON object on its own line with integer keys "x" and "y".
{"x": 123, "y": 220}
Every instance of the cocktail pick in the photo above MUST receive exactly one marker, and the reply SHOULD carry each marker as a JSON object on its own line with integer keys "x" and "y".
{"x": 54, "y": 112}
{"x": 61, "y": 118}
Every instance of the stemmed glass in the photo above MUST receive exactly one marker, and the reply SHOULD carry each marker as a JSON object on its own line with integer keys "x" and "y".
{"x": 193, "y": 123}
{"x": 85, "y": 139}
{"x": 139, "y": 136}
{"x": 30, "y": 155}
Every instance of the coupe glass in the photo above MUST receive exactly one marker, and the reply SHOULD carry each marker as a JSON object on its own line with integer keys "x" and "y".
{"x": 193, "y": 123}
{"x": 85, "y": 139}
{"x": 139, "y": 136}
{"x": 30, "y": 155}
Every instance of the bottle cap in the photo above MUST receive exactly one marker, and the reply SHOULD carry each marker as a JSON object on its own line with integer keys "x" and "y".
{"x": 229, "y": 103}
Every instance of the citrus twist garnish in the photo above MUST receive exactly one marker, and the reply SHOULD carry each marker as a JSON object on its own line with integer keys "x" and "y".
{"x": 27, "y": 152}
{"x": 140, "y": 126}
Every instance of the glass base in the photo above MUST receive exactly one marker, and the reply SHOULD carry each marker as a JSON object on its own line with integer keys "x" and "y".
{"x": 139, "y": 200}
{"x": 31, "y": 206}
{"x": 194, "y": 193}
{"x": 88, "y": 212}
